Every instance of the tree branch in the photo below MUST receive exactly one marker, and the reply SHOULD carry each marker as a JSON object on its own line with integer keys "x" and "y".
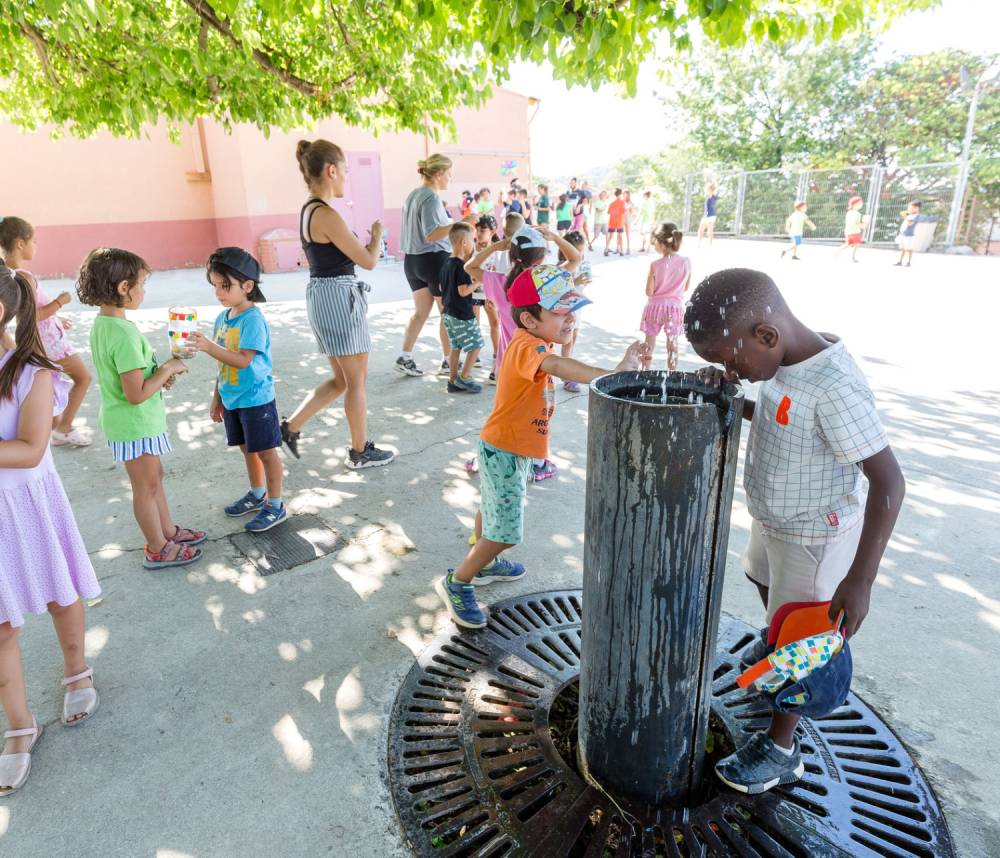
{"x": 213, "y": 86}
{"x": 291, "y": 80}
{"x": 37, "y": 40}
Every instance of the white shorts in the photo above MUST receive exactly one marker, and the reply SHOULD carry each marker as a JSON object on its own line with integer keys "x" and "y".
{"x": 798, "y": 573}
{"x": 907, "y": 242}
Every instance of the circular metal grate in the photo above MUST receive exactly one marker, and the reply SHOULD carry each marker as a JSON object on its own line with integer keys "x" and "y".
{"x": 475, "y": 771}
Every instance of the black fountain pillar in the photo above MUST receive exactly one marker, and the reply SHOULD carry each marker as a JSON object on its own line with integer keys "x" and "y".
{"x": 661, "y": 465}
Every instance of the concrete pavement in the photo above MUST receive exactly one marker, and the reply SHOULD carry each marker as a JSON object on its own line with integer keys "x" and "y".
{"x": 245, "y": 715}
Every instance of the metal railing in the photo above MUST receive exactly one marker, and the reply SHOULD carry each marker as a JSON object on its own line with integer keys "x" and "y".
{"x": 756, "y": 203}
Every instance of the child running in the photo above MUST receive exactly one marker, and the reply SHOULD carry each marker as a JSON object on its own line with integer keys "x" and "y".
{"x": 795, "y": 225}
{"x": 616, "y": 222}
{"x": 18, "y": 244}
{"x": 133, "y": 416}
{"x": 517, "y": 430}
{"x": 853, "y": 226}
{"x": 814, "y": 434}
{"x": 459, "y": 318}
{"x": 669, "y": 278}
{"x": 43, "y": 562}
{"x": 243, "y": 399}
{"x": 581, "y": 279}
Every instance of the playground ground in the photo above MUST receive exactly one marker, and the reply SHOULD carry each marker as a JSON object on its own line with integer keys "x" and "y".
{"x": 245, "y": 715}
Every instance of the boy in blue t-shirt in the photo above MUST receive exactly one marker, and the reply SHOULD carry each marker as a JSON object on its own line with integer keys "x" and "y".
{"x": 244, "y": 389}
{"x": 908, "y": 231}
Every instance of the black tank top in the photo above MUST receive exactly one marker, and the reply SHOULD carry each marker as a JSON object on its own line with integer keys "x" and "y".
{"x": 325, "y": 259}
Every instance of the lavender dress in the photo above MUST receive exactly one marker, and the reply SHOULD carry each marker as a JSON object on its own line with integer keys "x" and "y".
{"x": 42, "y": 556}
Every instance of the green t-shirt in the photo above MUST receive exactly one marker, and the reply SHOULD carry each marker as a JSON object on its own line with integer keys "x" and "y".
{"x": 564, "y": 212}
{"x": 543, "y": 203}
{"x": 796, "y": 222}
{"x": 484, "y": 207}
{"x": 648, "y": 210}
{"x": 600, "y": 211}
{"x": 116, "y": 347}
{"x": 852, "y": 222}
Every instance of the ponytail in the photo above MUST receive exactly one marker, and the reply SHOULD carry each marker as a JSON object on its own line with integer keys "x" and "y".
{"x": 521, "y": 259}
{"x": 18, "y": 299}
{"x": 669, "y": 236}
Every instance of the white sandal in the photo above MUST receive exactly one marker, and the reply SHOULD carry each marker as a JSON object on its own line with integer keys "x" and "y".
{"x": 15, "y": 768}
{"x": 81, "y": 701}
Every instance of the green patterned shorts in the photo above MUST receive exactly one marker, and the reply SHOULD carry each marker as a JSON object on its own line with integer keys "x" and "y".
{"x": 503, "y": 487}
{"x": 463, "y": 334}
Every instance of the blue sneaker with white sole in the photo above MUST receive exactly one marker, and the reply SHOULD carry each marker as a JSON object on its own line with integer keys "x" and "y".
{"x": 248, "y": 503}
{"x": 460, "y": 600}
{"x": 268, "y": 517}
{"x": 501, "y": 569}
{"x": 759, "y": 766}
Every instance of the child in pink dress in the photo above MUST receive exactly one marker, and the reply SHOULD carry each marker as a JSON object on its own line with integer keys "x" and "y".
{"x": 43, "y": 561}
{"x": 669, "y": 278}
{"x": 17, "y": 242}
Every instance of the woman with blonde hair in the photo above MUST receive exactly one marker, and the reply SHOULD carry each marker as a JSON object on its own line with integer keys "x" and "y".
{"x": 336, "y": 302}
{"x": 424, "y": 241}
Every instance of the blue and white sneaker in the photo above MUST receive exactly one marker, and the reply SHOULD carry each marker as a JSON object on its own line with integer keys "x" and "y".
{"x": 758, "y": 651}
{"x": 268, "y": 517}
{"x": 759, "y": 765}
{"x": 501, "y": 569}
{"x": 248, "y": 503}
{"x": 460, "y": 600}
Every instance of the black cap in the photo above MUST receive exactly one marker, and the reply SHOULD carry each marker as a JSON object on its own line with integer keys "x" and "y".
{"x": 241, "y": 262}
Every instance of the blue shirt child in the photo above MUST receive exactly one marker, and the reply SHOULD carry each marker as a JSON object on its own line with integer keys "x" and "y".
{"x": 254, "y": 385}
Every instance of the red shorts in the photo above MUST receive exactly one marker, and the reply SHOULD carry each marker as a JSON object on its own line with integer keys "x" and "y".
{"x": 854, "y": 238}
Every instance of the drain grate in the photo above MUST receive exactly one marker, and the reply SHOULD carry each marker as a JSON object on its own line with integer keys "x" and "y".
{"x": 475, "y": 771}
{"x": 301, "y": 539}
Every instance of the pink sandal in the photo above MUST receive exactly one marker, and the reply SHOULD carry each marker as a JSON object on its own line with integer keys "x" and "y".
{"x": 186, "y": 536}
{"x": 15, "y": 768}
{"x": 79, "y": 701}
{"x": 184, "y": 556}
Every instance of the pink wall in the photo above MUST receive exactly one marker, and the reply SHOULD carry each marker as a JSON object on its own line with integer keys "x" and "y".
{"x": 174, "y": 202}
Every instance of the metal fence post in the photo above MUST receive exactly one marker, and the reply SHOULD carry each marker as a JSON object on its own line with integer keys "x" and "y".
{"x": 957, "y": 202}
{"x": 741, "y": 188}
{"x": 873, "y": 201}
{"x": 803, "y": 187}
{"x": 688, "y": 191}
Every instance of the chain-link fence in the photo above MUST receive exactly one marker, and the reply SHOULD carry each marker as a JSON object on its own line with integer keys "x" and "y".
{"x": 757, "y": 203}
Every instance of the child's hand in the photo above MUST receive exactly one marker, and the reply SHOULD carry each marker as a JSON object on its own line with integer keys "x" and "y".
{"x": 175, "y": 366}
{"x": 64, "y": 298}
{"x": 198, "y": 342}
{"x": 215, "y": 410}
{"x": 853, "y": 597}
{"x": 713, "y": 376}
{"x": 66, "y": 324}
{"x": 547, "y": 233}
{"x": 169, "y": 382}
{"x": 637, "y": 356}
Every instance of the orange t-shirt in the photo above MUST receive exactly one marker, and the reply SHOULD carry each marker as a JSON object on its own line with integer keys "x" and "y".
{"x": 525, "y": 399}
{"x": 616, "y": 214}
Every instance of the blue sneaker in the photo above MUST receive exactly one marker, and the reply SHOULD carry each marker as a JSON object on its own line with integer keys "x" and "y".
{"x": 460, "y": 600}
{"x": 759, "y": 765}
{"x": 248, "y": 503}
{"x": 268, "y": 517}
{"x": 758, "y": 651}
{"x": 500, "y": 570}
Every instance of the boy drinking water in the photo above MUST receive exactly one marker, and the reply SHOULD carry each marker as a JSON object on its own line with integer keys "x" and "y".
{"x": 459, "y": 316}
{"x": 244, "y": 390}
{"x": 543, "y": 301}
{"x": 814, "y": 434}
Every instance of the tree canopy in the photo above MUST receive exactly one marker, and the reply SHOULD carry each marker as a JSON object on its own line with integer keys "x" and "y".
{"x": 89, "y": 65}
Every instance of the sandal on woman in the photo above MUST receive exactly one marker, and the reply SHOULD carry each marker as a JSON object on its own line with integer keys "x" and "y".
{"x": 163, "y": 559}
{"x": 186, "y": 536}
{"x": 79, "y": 703}
{"x": 15, "y": 768}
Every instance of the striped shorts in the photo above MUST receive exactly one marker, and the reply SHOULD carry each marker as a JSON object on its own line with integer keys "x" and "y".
{"x": 126, "y": 451}
{"x": 337, "y": 308}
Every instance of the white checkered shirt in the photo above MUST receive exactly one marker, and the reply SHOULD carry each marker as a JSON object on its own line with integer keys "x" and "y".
{"x": 812, "y": 424}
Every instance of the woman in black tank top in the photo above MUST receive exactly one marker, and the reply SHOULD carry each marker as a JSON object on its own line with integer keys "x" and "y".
{"x": 336, "y": 302}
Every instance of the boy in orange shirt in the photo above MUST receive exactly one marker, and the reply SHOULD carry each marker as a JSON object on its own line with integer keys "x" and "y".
{"x": 616, "y": 222}
{"x": 543, "y": 301}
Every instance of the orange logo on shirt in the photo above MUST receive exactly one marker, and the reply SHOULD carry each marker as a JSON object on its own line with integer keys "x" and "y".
{"x": 781, "y": 416}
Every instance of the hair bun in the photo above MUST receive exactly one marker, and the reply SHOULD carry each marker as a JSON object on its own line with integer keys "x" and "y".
{"x": 301, "y": 148}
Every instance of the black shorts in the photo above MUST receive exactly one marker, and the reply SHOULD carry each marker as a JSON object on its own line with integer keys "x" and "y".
{"x": 257, "y": 427}
{"x": 563, "y": 225}
{"x": 423, "y": 270}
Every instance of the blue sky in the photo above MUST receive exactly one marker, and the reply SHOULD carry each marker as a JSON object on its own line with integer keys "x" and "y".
{"x": 607, "y": 127}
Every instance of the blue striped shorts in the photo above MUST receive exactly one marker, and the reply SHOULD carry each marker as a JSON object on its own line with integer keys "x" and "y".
{"x": 126, "y": 451}
{"x": 337, "y": 308}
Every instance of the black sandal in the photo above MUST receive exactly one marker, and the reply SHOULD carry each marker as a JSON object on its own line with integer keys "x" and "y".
{"x": 290, "y": 439}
